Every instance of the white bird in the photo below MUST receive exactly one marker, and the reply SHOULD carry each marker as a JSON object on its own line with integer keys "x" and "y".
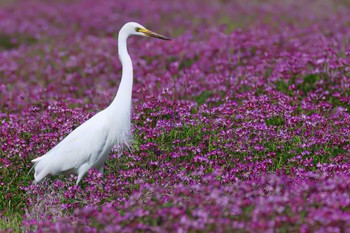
{"x": 89, "y": 144}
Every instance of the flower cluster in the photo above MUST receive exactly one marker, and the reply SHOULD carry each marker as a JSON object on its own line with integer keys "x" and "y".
{"x": 240, "y": 123}
{"x": 263, "y": 203}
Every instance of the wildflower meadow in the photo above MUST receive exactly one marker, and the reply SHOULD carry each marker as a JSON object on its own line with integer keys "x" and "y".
{"x": 240, "y": 123}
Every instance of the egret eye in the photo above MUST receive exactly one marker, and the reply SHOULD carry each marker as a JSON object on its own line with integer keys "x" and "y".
{"x": 137, "y": 29}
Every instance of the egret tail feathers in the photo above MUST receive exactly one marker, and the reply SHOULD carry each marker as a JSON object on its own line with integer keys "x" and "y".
{"x": 39, "y": 176}
{"x": 41, "y": 168}
{"x": 37, "y": 159}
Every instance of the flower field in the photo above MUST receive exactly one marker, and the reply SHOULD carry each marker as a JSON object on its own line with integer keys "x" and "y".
{"x": 241, "y": 123}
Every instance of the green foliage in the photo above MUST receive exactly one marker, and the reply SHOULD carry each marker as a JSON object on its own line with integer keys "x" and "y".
{"x": 200, "y": 99}
{"x": 283, "y": 86}
{"x": 14, "y": 179}
{"x": 186, "y": 63}
{"x": 5, "y": 42}
{"x": 275, "y": 120}
{"x": 10, "y": 42}
{"x": 309, "y": 83}
{"x": 230, "y": 25}
{"x": 11, "y": 220}
{"x": 335, "y": 101}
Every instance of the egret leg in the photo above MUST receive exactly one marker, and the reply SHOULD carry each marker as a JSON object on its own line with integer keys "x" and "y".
{"x": 82, "y": 171}
{"x": 100, "y": 170}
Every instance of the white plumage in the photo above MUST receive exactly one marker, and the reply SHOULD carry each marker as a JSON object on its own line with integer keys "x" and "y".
{"x": 88, "y": 145}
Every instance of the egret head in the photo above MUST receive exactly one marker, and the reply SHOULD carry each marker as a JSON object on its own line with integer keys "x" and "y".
{"x": 136, "y": 29}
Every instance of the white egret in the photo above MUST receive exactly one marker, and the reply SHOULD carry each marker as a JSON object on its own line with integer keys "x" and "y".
{"x": 89, "y": 144}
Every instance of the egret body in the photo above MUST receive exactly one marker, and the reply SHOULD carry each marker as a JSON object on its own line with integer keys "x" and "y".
{"x": 89, "y": 144}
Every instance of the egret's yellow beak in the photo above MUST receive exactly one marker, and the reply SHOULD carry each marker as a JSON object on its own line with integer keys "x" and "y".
{"x": 153, "y": 34}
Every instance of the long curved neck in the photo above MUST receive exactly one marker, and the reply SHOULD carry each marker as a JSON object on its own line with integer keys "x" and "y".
{"x": 122, "y": 100}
